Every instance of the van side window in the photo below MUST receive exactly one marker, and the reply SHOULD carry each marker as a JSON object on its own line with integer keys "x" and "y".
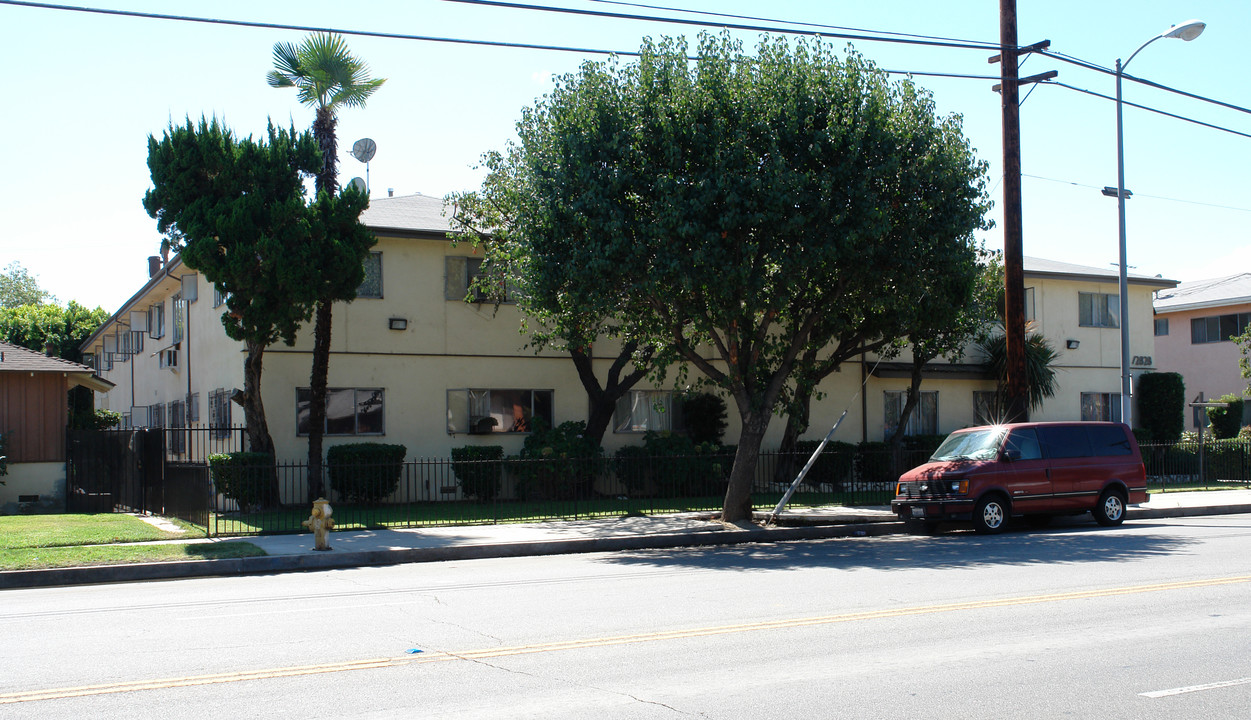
{"x": 1109, "y": 440}
{"x": 1024, "y": 441}
{"x": 1064, "y": 441}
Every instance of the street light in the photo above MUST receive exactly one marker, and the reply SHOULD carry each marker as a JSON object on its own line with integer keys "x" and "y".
{"x": 1187, "y": 31}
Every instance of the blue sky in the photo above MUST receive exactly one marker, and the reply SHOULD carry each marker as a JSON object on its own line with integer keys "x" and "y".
{"x": 86, "y": 90}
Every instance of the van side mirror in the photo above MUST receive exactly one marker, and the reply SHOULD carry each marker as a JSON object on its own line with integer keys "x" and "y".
{"x": 1012, "y": 454}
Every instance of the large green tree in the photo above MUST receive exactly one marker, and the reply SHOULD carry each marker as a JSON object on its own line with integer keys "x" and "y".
{"x": 235, "y": 209}
{"x": 490, "y": 217}
{"x": 61, "y": 330}
{"x": 328, "y": 78}
{"x": 18, "y": 287}
{"x": 751, "y": 209}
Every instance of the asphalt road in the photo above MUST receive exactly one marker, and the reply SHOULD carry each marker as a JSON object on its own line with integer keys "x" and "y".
{"x": 1150, "y": 620}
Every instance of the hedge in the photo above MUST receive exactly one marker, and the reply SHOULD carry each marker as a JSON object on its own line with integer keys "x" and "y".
{"x": 365, "y": 472}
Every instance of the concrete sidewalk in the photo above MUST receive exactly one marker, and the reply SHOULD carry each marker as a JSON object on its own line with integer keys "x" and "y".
{"x": 357, "y": 548}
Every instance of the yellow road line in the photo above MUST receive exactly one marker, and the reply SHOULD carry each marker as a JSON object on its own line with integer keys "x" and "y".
{"x": 488, "y": 653}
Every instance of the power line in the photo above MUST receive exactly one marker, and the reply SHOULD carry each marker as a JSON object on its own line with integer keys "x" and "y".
{"x": 572, "y": 49}
{"x": 1142, "y": 81}
{"x": 989, "y": 45}
{"x": 1137, "y": 195}
{"x": 1150, "y": 109}
{"x": 963, "y": 45}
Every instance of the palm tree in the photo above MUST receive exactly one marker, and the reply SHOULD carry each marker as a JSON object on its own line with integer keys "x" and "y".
{"x": 1040, "y": 375}
{"x": 328, "y": 78}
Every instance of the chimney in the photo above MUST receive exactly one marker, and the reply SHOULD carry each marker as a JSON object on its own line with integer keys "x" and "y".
{"x": 390, "y": 192}
{"x": 49, "y": 349}
{"x": 154, "y": 265}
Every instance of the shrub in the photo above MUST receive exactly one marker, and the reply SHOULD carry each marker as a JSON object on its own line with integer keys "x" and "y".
{"x": 832, "y": 467}
{"x": 704, "y": 415}
{"x": 873, "y": 462}
{"x": 1226, "y": 421}
{"x": 479, "y": 470}
{"x": 365, "y": 472}
{"x": 94, "y": 419}
{"x": 242, "y": 476}
{"x": 673, "y": 465}
{"x": 557, "y": 463}
{"x": 1162, "y": 406}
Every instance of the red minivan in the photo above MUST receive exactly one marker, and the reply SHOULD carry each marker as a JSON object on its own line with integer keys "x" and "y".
{"x": 1037, "y": 470}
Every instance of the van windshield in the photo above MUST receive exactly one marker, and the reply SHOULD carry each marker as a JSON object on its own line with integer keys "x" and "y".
{"x": 980, "y": 444}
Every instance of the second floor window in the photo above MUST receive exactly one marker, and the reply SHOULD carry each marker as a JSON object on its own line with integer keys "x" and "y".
{"x": 1098, "y": 310}
{"x": 371, "y": 287}
{"x": 1218, "y": 328}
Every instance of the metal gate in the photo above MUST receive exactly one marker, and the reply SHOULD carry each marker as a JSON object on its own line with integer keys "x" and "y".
{"x": 114, "y": 470}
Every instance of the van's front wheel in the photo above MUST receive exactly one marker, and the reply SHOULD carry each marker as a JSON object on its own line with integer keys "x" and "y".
{"x": 1111, "y": 508}
{"x": 991, "y": 515}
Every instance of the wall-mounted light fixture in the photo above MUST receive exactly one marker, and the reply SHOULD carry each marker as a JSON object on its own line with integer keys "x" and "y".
{"x": 1072, "y": 344}
{"x": 398, "y": 323}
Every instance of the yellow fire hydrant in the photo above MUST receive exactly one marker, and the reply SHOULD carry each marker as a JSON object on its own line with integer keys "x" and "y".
{"x": 320, "y": 523}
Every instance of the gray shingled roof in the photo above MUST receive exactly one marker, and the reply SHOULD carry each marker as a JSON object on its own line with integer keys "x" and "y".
{"x": 1038, "y": 266}
{"x": 408, "y": 213}
{"x": 1217, "y": 292}
{"x": 15, "y": 358}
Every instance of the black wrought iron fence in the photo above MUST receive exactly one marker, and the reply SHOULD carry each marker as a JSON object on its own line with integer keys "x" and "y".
{"x": 275, "y": 497}
{"x": 1197, "y": 464}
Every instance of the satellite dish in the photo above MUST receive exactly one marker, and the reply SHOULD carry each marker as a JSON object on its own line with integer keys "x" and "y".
{"x": 358, "y": 185}
{"x": 364, "y": 149}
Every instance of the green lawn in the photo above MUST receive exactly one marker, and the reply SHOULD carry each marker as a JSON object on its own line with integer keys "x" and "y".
{"x": 40, "y": 531}
{"x": 50, "y": 541}
{"x": 62, "y": 557}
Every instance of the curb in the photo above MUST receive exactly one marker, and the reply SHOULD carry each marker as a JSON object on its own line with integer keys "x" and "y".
{"x": 270, "y": 564}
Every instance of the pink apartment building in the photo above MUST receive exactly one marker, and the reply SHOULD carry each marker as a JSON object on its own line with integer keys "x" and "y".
{"x": 1193, "y": 326}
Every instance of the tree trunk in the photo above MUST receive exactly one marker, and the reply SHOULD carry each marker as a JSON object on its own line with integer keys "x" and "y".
{"x": 603, "y": 401}
{"x": 317, "y": 397}
{"x": 737, "y": 505}
{"x": 328, "y": 142}
{"x": 259, "y": 439}
{"x": 913, "y": 399}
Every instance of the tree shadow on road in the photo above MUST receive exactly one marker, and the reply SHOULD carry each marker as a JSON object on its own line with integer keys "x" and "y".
{"x": 953, "y": 549}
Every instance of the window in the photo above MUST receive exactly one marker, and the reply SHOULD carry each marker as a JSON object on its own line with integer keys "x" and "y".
{"x": 643, "y": 410}
{"x": 1101, "y": 406}
{"x": 1098, "y": 310}
{"x": 1218, "y": 328}
{"x": 219, "y": 297}
{"x": 180, "y": 318}
{"x": 156, "y": 415}
{"x": 371, "y": 286}
{"x": 924, "y": 418}
{"x": 349, "y": 411}
{"x": 1161, "y": 327}
{"x": 156, "y": 315}
{"x": 986, "y": 410}
{"x": 493, "y": 411}
{"x": 193, "y": 409}
{"x": 1029, "y": 304}
{"x": 219, "y": 413}
{"x": 1025, "y": 442}
{"x": 462, "y": 272}
{"x": 177, "y": 419}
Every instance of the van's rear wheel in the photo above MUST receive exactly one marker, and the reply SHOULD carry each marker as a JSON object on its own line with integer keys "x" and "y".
{"x": 1111, "y": 508}
{"x": 990, "y": 515}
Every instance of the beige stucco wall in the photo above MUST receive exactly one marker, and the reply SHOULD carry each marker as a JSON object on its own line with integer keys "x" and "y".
{"x": 450, "y": 344}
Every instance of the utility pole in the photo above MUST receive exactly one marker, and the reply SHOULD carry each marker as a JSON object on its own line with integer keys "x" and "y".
{"x": 1016, "y": 402}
